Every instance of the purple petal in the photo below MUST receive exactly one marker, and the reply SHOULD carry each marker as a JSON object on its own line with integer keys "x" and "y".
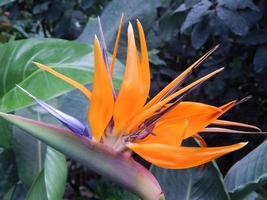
{"x": 70, "y": 122}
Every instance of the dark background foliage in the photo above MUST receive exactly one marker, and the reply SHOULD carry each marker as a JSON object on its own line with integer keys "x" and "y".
{"x": 178, "y": 32}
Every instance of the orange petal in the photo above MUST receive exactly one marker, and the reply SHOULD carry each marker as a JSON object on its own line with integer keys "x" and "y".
{"x": 180, "y": 78}
{"x": 235, "y": 124}
{"x": 228, "y": 106}
{"x": 169, "y": 135}
{"x": 180, "y": 157}
{"x": 115, "y": 50}
{"x": 226, "y": 130}
{"x": 132, "y": 94}
{"x": 137, "y": 120}
{"x": 198, "y": 115}
{"x": 145, "y": 69}
{"x": 70, "y": 81}
{"x": 102, "y": 101}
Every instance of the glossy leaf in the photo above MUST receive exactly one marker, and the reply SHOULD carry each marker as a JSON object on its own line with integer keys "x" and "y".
{"x": 248, "y": 174}
{"x": 254, "y": 196}
{"x": 233, "y": 20}
{"x": 111, "y": 15}
{"x": 192, "y": 184}
{"x": 8, "y": 171}
{"x": 71, "y": 58}
{"x": 29, "y": 151}
{"x": 200, "y": 34}
{"x": 238, "y": 4}
{"x": 5, "y": 134}
{"x": 4, "y": 2}
{"x": 118, "y": 167}
{"x": 17, "y": 192}
{"x": 55, "y": 173}
{"x": 198, "y": 11}
{"x": 50, "y": 182}
{"x": 37, "y": 190}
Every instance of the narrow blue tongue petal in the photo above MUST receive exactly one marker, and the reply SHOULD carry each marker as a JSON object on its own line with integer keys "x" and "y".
{"x": 70, "y": 122}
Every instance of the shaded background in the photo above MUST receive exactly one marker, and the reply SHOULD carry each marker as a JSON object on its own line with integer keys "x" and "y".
{"x": 178, "y": 32}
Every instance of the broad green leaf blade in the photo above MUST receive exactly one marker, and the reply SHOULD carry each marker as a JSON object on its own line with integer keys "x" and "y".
{"x": 37, "y": 190}
{"x": 4, "y": 2}
{"x": 111, "y": 15}
{"x": 8, "y": 171}
{"x": 197, "y": 12}
{"x": 55, "y": 172}
{"x": 5, "y": 134}
{"x": 71, "y": 58}
{"x": 236, "y": 22}
{"x": 248, "y": 173}
{"x": 17, "y": 192}
{"x": 254, "y": 196}
{"x": 192, "y": 184}
{"x": 30, "y": 152}
{"x": 50, "y": 182}
{"x": 118, "y": 167}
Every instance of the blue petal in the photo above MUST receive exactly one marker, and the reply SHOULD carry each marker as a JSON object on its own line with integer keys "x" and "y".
{"x": 70, "y": 122}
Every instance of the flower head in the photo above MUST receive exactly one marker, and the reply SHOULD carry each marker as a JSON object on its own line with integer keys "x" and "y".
{"x": 156, "y": 128}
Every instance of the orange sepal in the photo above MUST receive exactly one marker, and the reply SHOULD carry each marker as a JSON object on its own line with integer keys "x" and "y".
{"x": 172, "y": 134}
{"x": 115, "y": 50}
{"x": 235, "y": 124}
{"x": 146, "y": 113}
{"x": 181, "y": 157}
{"x": 102, "y": 101}
{"x": 70, "y": 81}
{"x": 179, "y": 78}
{"x": 132, "y": 94}
{"x": 144, "y": 61}
{"x": 198, "y": 115}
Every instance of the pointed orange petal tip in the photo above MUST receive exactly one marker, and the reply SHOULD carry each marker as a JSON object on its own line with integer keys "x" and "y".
{"x": 115, "y": 50}
{"x": 68, "y": 80}
{"x": 181, "y": 157}
{"x": 236, "y": 124}
{"x": 130, "y": 28}
{"x": 96, "y": 39}
{"x": 100, "y": 113}
{"x": 242, "y": 144}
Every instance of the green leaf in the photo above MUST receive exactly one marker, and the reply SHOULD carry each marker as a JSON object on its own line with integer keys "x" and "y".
{"x": 111, "y": 15}
{"x": 8, "y": 171}
{"x": 97, "y": 157}
{"x": 260, "y": 59}
{"x": 248, "y": 174}
{"x": 198, "y": 11}
{"x": 192, "y": 184}
{"x": 37, "y": 190}
{"x": 254, "y": 196}
{"x": 30, "y": 152}
{"x": 50, "y": 182}
{"x": 4, "y": 2}
{"x": 71, "y": 58}
{"x": 238, "y": 4}
{"x": 235, "y": 22}
{"x": 169, "y": 24}
{"x": 200, "y": 34}
{"x": 17, "y": 192}
{"x": 5, "y": 134}
{"x": 55, "y": 172}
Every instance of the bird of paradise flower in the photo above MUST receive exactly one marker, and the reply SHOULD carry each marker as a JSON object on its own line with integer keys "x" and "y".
{"x": 155, "y": 129}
